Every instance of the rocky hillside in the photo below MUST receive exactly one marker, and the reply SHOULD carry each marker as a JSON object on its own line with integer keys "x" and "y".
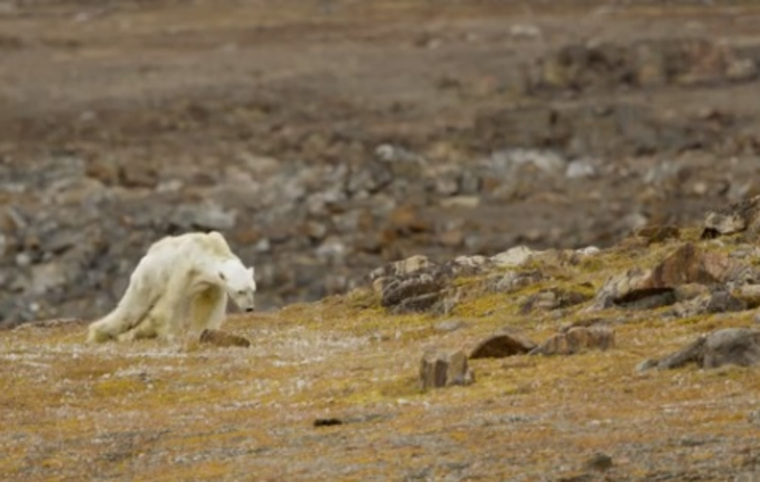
{"x": 327, "y": 138}
{"x": 634, "y": 362}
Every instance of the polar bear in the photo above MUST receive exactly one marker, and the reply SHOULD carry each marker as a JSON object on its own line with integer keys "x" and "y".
{"x": 180, "y": 286}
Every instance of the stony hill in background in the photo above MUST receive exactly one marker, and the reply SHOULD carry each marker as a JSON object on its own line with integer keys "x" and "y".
{"x": 325, "y": 139}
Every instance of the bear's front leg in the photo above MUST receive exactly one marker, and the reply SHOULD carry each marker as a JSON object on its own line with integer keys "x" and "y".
{"x": 170, "y": 315}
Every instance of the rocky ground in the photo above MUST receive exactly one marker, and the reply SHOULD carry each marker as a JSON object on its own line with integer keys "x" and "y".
{"x": 325, "y": 138}
{"x": 545, "y": 173}
{"x": 635, "y": 362}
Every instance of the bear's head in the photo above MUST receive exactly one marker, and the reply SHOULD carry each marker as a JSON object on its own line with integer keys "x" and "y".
{"x": 239, "y": 282}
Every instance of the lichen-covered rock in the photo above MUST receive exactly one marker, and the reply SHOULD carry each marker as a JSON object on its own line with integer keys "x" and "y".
{"x": 650, "y": 288}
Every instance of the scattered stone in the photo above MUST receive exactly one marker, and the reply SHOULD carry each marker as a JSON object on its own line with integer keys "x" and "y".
{"x": 207, "y": 216}
{"x": 658, "y": 234}
{"x": 580, "y": 169}
{"x": 722, "y": 301}
{"x": 644, "y": 63}
{"x": 413, "y": 293}
{"x": 553, "y": 299}
{"x": 749, "y": 295}
{"x": 503, "y": 345}
{"x": 577, "y": 339}
{"x": 588, "y": 251}
{"x": 223, "y": 339}
{"x": 327, "y": 422}
{"x": 729, "y": 346}
{"x": 514, "y": 280}
{"x": 382, "y": 275}
{"x": 443, "y": 369}
{"x": 513, "y": 257}
{"x": 599, "y": 462}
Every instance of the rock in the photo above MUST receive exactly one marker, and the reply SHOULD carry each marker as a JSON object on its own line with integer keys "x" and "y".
{"x": 749, "y": 295}
{"x": 645, "y": 63}
{"x": 588, "y": 251}
{"x": 47, "y": 277}
{"x": 524, "y": 30}
{"x": 514, "y": 280}
{"x": 440, "y": 369}
{"x": 658, "y": 234}
{"x": 223, "y": 339}
{"x": 446, "y": 185}
{"x": 461, "y": 202}
{"x": 553, "y": 299}
{"x": 736, "y": 218}
{"x": 580, "y": 169}
{"x": 729, "y": 346}
{"x": 741, "y": 70}
{"x": 327, "y": 422}
{"x": 599, "y": 462}
{"x": 413, "y": 293}
{"x": 381, "y": 276}
{"x": 207, "y": 216}
{"x": 407, "y": 219}
{"x": 453, "y": 238}
{"x": 134, "y": 174}
{"x": 577, "y": 339}
{"x": 690, "y": 264}
{"x": 468, "y": 265}
{"x": 722, "y": 301}
{"x": 513, "y": 257}
{"x": 643, "y": 289}
{"x": 503, "y": 345}
{"x": 549, "y": 162}
{"x": 450, "y": 325}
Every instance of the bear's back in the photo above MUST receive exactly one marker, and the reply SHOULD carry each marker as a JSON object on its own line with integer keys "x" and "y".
{"x": 192, "y": 244}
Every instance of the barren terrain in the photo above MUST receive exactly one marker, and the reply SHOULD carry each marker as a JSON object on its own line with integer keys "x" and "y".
{"x": 325, "y": 139}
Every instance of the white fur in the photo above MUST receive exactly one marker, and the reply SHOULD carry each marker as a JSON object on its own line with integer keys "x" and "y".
{"x": 181, "y": 285}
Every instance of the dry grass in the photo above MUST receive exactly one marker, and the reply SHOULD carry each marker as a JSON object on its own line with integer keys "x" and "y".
{"x": 151, "y": 411}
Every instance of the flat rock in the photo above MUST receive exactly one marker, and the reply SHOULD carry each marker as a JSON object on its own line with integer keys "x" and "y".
{"x": 577, "y": 339}
{"x": 729, "y": 346}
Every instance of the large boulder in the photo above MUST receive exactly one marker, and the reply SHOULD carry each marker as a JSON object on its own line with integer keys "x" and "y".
{"x": 729, "y": 346}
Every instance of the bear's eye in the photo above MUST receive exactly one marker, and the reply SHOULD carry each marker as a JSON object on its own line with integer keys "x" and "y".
{"x": 241, "y": 292}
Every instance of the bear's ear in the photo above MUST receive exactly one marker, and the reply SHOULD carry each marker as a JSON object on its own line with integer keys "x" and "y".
{"x": 221, "y": 275}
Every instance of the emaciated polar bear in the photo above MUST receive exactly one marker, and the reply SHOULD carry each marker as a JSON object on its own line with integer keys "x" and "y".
{"x": 181, "y": 285}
